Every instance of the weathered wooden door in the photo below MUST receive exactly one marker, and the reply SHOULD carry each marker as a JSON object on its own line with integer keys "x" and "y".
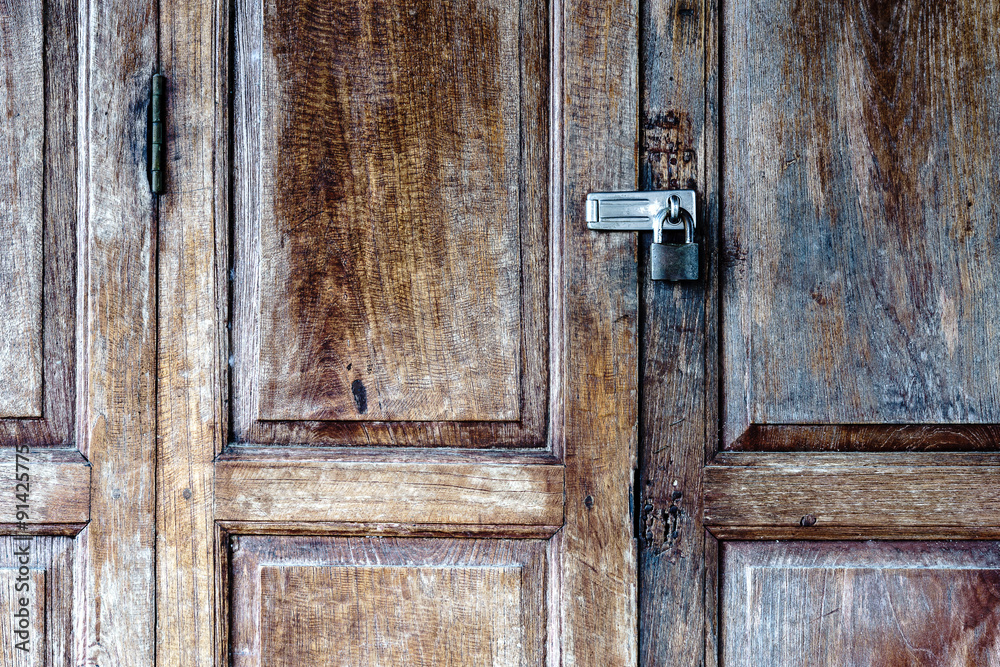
{"x": 819, "y": 473}
{"x": 397, "y": 395}
{"x": 358, "y": 388}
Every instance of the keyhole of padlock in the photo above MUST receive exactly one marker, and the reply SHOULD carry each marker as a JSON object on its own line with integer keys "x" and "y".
{"x": 674, "y": 261}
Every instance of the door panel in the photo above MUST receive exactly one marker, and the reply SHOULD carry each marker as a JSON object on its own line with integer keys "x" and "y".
{"x": 38, "y": 209}
{"x": 847, "y": 604}
{"x": 22, "y": 102}
{"x": 49, "y": 596}
{"x": 392, "y": 601}
{"x": 391, "y": 236}
{"x": 860, "y": 218}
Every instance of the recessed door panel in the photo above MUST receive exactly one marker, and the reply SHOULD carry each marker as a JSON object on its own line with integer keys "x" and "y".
{"x": 859, "y": 222}
{"x": 860, "y": 604}
{"x": 391, "y": 221}
{"x": 388, "y": 601}
{"x": 38, "y": 84}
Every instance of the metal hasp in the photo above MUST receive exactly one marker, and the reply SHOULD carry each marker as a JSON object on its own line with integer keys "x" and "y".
{"x": 655, "y": 211}
{"x": 155, "y": 132}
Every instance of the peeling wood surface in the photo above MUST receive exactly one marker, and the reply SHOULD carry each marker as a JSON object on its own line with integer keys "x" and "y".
{"x": 879, "y": 604}
{"x": 117, "y": 420}
{"x": 860, "y": 156}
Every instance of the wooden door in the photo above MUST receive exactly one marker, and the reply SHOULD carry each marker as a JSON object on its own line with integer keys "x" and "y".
{"x": 396, "y": 379}
{"x": 359, "y": 388}
{"x": 77, "y": 335}
{"x": 819, "y": 466}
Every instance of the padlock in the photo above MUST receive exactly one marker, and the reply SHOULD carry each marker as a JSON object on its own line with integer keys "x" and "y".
{"x": 674, "y": 261}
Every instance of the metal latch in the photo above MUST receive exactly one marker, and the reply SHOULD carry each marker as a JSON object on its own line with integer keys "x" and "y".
{"x": 155, "y": 132}
{"x": 655, "y": 211}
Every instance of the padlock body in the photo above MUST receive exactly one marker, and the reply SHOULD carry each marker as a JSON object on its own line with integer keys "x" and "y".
{"x": 673, "y": 261}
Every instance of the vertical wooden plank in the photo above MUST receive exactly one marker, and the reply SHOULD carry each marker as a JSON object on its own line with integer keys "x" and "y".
{"x": 672, "y": 557}
{"x": 189, "y": 374}
{"x": 22, "y": 104}
{"x": 711, "y": 211}
{"x": 598, "y": 578}
{"x": 117, "y": 329}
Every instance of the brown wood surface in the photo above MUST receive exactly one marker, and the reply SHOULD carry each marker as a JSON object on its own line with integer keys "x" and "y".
{"x": 505, "y": 494}
{"x": 409, "y": 615}
{"x": 860, "y": 155}
{"x": 850, "y": 604}
{"x": 869, "y": 437}
{"x": 385, "y": 601}
{"x": 673, "y": 363}
{"x": 22, "y": 103}
{"x": 39, "y": 288}
{"x": 51, "y": 597}
{"x": 555, "y": 485}
{"x": 391, "y": 245}
{"x": 853, "y": 491}
{"x": 115, "y": 615}
{"x": 597, "y": 551}
{"x": 190, "y": 378}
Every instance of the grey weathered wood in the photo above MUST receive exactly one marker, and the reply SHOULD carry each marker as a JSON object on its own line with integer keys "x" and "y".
{"x": 860, "y": 152}
{"x": 677, "y": 366}
{"x": 51, "y": 596}
{"x": 116, "y": 427}
{"x": 190, "y": 378}
{"x": 56, "y": 265}
{"x": 841, "y": 603}
{"x": 22, "y": 104}
{"x": 58, "y": 487}
{"x": 397, "y": 271}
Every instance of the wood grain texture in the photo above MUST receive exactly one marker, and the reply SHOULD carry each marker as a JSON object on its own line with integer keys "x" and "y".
{"x": 868, "y": 438}
{"x": 391, "y": 257}
{"x": 22, "y": 103}
{"x": 190, "y": 381}
{"x": 860, "y": 150}
{"x": 117, "y": 328}
{"x": 394, "y": 616}
{"x": 11, "y": 652}
{"x": 852, "y": 491}
{"x": 379, "y": 601}
{"x": 596, "y": 148}
{"x": 49, "y": 576}
{"x": 56, "y": 265}
{"x": 390, "y": 492}
{"x": 673, "y": 363}
{"x": 848, "y": 604}
{"x": 59, "y": 487}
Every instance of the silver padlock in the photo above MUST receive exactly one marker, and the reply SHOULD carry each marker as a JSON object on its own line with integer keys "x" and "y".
{"x": 673, "y": 261}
